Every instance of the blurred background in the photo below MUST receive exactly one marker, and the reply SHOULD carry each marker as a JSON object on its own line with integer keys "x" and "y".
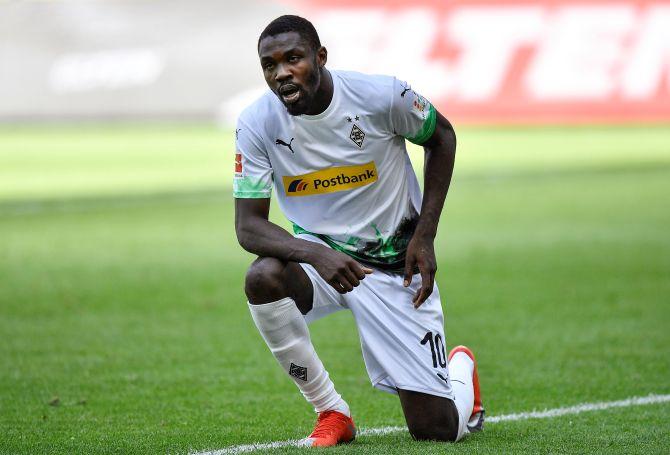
{"x": 122, "y": 318}
{"x": 480, "y": 61}
{"x": 81, "y": 64}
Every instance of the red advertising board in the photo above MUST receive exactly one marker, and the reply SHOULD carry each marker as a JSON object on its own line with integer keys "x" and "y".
{"x": 515, "y": 61}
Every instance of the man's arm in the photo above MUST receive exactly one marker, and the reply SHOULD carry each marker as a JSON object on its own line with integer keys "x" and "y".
{"x": 440, "y": 153}
{"x": 258, "y": 235}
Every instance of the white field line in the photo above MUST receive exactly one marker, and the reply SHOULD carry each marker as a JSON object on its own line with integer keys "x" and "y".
{"x": 546, "y": 414}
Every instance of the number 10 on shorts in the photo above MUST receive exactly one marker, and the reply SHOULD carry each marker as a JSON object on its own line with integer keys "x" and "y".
{"x": 436, "y": 349}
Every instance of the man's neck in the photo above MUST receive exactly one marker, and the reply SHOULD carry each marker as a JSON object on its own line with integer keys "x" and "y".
{"x": 324, "y": 95}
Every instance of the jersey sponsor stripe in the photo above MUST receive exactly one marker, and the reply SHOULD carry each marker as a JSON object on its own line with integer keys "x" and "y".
{"x": 330, "y": 180}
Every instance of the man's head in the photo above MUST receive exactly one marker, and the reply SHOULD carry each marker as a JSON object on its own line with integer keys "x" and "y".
{"x": 292, "y": 59}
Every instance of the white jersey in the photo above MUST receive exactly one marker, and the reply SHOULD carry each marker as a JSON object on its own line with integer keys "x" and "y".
{"x": 344, "y": 175}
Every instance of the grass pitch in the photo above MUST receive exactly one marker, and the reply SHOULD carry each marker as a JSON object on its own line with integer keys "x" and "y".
{"x": 124, "y": 327}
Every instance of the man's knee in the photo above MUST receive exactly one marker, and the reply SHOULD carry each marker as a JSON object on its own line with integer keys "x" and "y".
{"x": 433, "y": 431}
{"x": 429, "y": 417}
{"x": 265, "y": 282}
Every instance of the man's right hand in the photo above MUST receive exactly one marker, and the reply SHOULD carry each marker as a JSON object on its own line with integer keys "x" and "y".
{"x": 259, "y": 236}
{"x": 342, "y": 272}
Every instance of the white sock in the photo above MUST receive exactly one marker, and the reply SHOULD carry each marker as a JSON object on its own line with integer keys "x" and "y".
{"x": 285, "y": 332}
{"x": 461, "y": 367}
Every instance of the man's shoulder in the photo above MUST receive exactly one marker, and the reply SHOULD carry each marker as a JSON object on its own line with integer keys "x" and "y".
{"x": 259, "y": 110}
{"x": 366, "y": 82}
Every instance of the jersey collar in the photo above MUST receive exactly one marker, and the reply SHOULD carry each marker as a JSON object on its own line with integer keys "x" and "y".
{"x": 333, "y": 102}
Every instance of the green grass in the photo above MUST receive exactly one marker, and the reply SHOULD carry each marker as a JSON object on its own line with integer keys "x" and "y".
{"x": 121, "y": 294}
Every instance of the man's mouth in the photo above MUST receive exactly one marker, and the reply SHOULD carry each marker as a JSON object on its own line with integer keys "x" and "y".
{"x": 289, "y": 93}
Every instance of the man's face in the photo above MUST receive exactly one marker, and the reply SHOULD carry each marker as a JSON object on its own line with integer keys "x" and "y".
{"x": 291, "y": 70}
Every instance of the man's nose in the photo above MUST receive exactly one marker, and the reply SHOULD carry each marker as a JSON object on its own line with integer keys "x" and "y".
{"x": 283, "y": 73}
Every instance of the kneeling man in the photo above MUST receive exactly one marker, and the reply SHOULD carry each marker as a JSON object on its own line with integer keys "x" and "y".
{"x": 332, "y": 144}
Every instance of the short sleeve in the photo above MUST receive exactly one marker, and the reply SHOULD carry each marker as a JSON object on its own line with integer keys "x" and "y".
{"x": 253, "y": 171}
{"x": 412, "y": 115}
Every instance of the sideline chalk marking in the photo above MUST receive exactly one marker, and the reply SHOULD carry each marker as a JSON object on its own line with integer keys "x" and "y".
{"x": 547, "y": 414}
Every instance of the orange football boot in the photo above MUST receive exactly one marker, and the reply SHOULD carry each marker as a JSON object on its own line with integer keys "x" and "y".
{"x": 476, "y": 422}
{"x": 332, "y": 428}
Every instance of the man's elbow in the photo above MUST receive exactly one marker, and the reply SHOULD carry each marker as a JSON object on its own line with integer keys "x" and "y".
{"x": 445, "y": 134}
{"x": 443, "y": 139}
{"x": 442, "y": 142}
{"x": 448, "y": 135}
{"x": 244, "y": 236}
{"x": 452, "y": 140}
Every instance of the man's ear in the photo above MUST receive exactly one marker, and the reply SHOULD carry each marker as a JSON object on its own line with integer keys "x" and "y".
{"x": 322, "y": 56}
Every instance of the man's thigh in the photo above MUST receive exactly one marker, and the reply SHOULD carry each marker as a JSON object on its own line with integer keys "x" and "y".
{"x": 403, "y": 347}
{"x": 325, "y": 299}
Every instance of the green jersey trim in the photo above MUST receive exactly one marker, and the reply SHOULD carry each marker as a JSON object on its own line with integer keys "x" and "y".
{"x": 248, "y": 188}
{"x": 427, "y": 129}
{"x": 393, "y": 260}
{"x": 250, "y": 195}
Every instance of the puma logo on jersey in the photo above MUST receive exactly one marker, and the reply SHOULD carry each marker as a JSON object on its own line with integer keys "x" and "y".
{"x": 406, "y": 88}
{"x": 330, "y": 180}
{"x": 280, "y": 142}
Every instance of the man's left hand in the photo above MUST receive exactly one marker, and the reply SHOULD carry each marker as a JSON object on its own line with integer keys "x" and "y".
{"x": 421, "y": 253}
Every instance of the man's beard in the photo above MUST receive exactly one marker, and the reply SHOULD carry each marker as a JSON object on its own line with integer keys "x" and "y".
{"x": 300, "y": 107}
{"x": 307, "y": 94}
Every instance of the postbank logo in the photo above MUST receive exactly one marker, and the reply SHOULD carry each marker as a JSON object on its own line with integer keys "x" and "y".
{"x": 330, "y": 180}
{"x": 297, "y": 185}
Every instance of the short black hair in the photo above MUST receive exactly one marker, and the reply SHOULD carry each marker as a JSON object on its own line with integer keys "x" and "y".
{"x": 291, "y": 23}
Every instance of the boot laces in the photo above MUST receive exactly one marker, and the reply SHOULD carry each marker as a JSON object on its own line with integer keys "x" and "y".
{"x": 328, "y": 423}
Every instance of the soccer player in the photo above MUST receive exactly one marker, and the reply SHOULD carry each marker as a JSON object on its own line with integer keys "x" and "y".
{"x": 332, "y": 144}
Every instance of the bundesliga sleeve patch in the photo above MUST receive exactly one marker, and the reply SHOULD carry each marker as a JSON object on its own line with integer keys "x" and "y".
{"x": 238, "y": 163}
{"x": 330, "y": 180}
{"x": 427, "y": 111}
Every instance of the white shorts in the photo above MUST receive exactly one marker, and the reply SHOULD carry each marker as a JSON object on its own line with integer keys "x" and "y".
{"x": 403, "y": 348}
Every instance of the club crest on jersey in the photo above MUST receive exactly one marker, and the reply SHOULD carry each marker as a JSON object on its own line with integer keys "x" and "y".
{"x": 330, "y": 180}
{"x": 357, "y": 135}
